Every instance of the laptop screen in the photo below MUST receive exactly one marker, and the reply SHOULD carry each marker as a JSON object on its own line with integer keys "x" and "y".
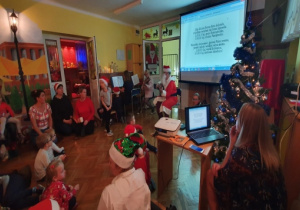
{"x": 197, "y": 118}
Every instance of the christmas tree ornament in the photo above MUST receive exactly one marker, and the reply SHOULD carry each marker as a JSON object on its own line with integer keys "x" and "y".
{"x": 215, "y": 119}
{"x": 248, "y": 85}
{"x": 231, "y": 119}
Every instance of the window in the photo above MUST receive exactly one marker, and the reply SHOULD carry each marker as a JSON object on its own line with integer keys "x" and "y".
{"x": 151, "y": 33}
{"x": 170, "y": 30}
{"x": 13, "y": 54}
{"x": 41, "y": 52}
{"x": 32, "y": 54}
{"x": 23, "y": 53}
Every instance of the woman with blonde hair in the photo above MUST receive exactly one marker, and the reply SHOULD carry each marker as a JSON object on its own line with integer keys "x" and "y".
{"x": 250, "y": 176}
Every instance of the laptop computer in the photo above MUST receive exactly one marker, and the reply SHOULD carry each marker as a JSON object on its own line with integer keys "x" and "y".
{"x": 198, "y": 127}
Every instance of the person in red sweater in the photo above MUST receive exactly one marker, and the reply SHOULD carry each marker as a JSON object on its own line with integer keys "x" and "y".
{"x": 8, "y": 115}
{"x": 84, "y": 114}
{"x": 56, "y": 189}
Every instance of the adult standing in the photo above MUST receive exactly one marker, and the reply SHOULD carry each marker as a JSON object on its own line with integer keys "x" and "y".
{"x": 168, "y": 90}
{"x": 62, "y": 111}
{"x": 148, "y": 88}
{"x": 128, "y": 86}
{"x": 84, "y": 114}
{"x": 250, "y": 176}
{"x": 40, "y": 115}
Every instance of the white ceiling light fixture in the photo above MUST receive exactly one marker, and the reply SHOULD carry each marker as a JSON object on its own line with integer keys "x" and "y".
{"x": 128, "y": 6}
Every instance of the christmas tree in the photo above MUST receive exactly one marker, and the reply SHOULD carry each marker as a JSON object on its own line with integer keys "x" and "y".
{"x": 241, "y": 86}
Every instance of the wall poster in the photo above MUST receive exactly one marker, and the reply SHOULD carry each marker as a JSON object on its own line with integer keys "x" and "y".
{"x": 53, "y": 60}
{"x": 151, "y": 59}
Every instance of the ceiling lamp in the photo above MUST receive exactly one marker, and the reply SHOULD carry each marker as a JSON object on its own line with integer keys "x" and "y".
{"x": 128, "y": 6}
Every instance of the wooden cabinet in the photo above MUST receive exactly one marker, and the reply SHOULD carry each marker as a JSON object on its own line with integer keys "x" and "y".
{"x": 134, "y": 59}
{"x": 289, "y": 146}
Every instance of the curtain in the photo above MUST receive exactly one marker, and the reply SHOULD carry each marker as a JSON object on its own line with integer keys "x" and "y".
{"x": 273, "y": 72}
{"x": 81, "y": 56}
{"x": 172, "y": 61}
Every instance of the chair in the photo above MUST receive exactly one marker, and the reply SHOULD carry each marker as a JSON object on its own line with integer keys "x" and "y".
{"x": 136, "y": 92}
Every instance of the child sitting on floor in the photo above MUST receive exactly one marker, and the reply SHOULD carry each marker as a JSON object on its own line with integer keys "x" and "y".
{"x": 139, "y": 129}
{"x": 56, "y": 189}
{"x": 57, "y": 151}
{"x": 7, "y": 115}
{"x": 44, "y": 156}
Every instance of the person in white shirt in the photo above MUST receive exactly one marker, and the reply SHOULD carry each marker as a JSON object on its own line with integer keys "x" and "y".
{"x": 128, "y": 189}
{"x": 45, "y": 155}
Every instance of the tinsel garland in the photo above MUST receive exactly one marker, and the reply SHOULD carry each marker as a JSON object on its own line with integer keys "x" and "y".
{"x": 242, "y": 70}
{"x": 247, "y": 92}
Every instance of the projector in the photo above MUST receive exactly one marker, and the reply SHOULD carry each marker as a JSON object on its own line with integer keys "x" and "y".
{"x": 167, "y": 126}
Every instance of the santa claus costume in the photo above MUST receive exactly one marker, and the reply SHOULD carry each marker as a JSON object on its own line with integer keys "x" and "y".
{"x": 152, "y": 59}
{"x": 168, "y": 97}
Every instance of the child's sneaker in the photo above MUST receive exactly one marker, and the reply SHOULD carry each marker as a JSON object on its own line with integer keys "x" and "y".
{"x": 109, "y": 133}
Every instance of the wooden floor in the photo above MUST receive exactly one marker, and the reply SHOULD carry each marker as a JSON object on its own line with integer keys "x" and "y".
{"x": 87, "y": 164}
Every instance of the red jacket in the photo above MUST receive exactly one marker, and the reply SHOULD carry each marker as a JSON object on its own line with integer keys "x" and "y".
{"x": 5, "y": 108}
{"x": 59, "y": 192}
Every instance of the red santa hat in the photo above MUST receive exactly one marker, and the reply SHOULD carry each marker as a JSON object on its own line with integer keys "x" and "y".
{"x": 116, "y": 90}
{"x": 122, "y": 150}
{"x": 152, "y": 47}
{"x": 104, "y": 79}
{"x": 167, "y": 69}
{"x": 129, "y": 129}
{"x": 56, "y": 86}
{"x": 47, "y": 204}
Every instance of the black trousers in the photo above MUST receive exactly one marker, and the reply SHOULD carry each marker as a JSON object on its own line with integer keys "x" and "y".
{"x": 82, "y": 130}
{"x": 106, "y": 117}
{"x": 64, "y": 129}
{"x": 18, "y": 195}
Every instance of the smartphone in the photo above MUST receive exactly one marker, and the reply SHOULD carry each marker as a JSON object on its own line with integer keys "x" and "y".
{"x": 198, "y": 149}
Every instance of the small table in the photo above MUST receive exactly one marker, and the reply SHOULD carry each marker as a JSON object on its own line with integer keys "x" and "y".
{"x": 165, "y": 165}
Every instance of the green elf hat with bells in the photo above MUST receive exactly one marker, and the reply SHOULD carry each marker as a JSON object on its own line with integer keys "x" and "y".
{"x": 122, "y": 150}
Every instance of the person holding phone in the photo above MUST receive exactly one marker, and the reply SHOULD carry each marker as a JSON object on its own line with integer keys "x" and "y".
{"x": 250, "y": 176}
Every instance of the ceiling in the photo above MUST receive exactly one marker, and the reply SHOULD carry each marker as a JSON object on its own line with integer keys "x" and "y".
{"x": 150, "y": 11}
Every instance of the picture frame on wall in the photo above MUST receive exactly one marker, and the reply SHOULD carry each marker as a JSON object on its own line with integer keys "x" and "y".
{"x": 152, "y": 58}
{"x": 53, "y": 60}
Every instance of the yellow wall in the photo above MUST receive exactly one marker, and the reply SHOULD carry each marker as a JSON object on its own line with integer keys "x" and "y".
{"x": 110, "y": 36}
{"x": 297, "y": 65}
{"x": 291, "y": 60}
